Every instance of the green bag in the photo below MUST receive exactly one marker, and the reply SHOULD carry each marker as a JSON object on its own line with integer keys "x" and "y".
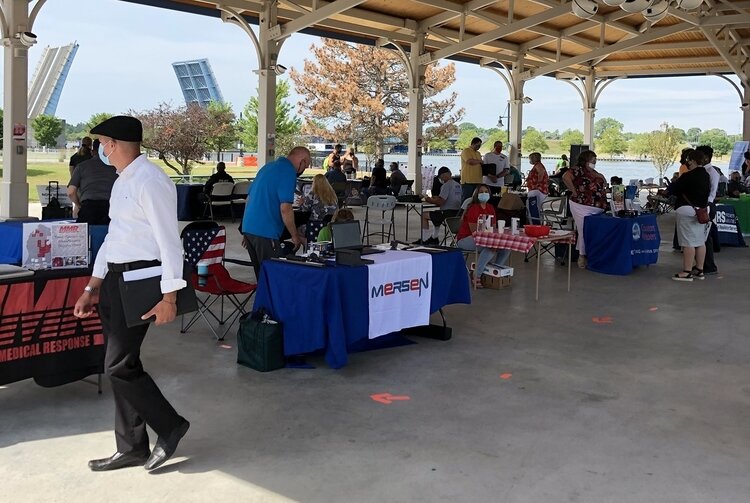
{"x": 260, "y": 342}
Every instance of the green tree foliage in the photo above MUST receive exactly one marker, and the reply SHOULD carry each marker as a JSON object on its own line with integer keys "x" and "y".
{"x": 222, "y": 126}
{"x": 465, "y": 137}
{"x": 47, "y": 129}
{"x": 640, "y": 144}
{"x": 717, "y": 139}
{"x": 287, "y": 124}
{"x": 95, "y": 120}
{"x": 605, "y": 123}
{"x": 612, "y": 141}
{"x": 693, "y": 135}
{"x": 494, "y": 135}
{"x": 570, "y": 137}
{"x": 533, "y": 141}
{"x": 467, "y": 125}
{"x": 664, "y": 147}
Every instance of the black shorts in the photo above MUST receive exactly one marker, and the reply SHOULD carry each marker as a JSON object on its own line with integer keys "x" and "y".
{"x": 438, "y": 216}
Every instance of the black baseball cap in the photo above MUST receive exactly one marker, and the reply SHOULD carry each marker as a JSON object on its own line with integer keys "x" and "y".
{"x": 121, "y": 127}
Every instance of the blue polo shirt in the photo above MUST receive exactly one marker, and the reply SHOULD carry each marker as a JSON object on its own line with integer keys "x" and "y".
{"x": 273, "y": 185}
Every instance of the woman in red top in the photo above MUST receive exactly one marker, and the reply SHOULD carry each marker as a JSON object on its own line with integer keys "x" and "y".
{"x": 537, "y": 181}
{"x": 588, "y": 195}
{"x": 479, "y": 206}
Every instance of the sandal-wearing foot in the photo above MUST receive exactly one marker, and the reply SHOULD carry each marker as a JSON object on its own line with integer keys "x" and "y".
{"x": 683, "y": 276}
{"x": 478, "y": 284}
{"x": 698, "y": 273}
{"x": 582, "y": 262}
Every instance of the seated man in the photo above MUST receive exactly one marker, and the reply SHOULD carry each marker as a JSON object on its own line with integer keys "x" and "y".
{"x": 449, "y": 200}
{"x": 397, "y": 179}
{"x": 336, "y": 175}
{"x": 221, "y": 175}
{"x": 735, "y": 186}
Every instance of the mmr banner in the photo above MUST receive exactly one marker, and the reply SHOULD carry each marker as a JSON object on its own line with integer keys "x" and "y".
{"x": 399, "y": 291}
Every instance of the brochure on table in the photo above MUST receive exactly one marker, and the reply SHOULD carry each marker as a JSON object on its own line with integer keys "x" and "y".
{"x": 55, "y": 245}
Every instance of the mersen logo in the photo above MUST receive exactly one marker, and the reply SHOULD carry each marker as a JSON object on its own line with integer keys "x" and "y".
{"x": 403, "y": 286}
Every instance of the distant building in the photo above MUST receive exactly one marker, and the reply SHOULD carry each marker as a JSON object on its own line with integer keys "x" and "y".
{"x": 49, "y": 78}
{"x": 197, "y": 82}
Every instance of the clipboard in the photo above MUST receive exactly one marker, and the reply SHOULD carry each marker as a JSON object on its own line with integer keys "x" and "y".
{"x": 139, "y": 296}
{"x": 489, "y": 169}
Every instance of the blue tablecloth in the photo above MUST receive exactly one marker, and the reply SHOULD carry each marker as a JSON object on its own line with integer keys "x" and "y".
{"x": 326, "y": 308}
{"x": 11, "y": 234}
{"x": 189, "y": 207}
{"x": 728, "y": 226}
{"x": 617, "y": 245}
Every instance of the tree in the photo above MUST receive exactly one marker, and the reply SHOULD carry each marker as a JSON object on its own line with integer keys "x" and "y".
{"x": 693, "y": 135}
{"x": 717, "y": 139}
{"x": 605, "y": 123}
{"x": 533, "y": 141}
{"x": 287, "y": 124}
{"x": 47, "y": 129}
{"x": 467, "y": 125}
{"x": 664, "y": 147}
{"x": 95, "y": 120}
{"x": 640, "y": 145}
{"x": 465, "y": 137}
{"x": 494, "y": 135}
{"x": 612, "y": 141}
{"x": 222, "y": 127}
{"x": 361, "y": 94}
{"x": 570, "y": 137}
{"x": 176, "y": 134}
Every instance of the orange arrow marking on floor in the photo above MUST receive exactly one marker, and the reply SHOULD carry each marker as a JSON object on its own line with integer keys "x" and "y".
{"x": 507, "y": 375}
{"x": 652, "y": 309}
{"x": 387, "y": 398}
{"x": 225, "y": 346}
{"x": 602, "y": 320}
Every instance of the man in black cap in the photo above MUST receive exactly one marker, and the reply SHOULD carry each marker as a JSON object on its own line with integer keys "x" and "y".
{"x": 143, "y": 233}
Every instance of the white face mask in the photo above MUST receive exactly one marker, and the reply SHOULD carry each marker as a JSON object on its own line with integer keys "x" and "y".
{"x": 591, "y": 165}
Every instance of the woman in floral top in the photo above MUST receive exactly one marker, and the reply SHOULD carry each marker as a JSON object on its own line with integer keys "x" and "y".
{"x": 321, "y": 202}
{"x": 537, "y": 181}
{"x": 588, "y": 195}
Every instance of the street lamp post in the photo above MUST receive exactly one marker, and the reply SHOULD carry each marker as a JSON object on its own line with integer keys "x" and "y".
{"x": 507, "y": 125}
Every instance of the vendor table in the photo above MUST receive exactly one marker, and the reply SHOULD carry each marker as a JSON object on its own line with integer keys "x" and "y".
{"x": 741, "y": 208}
{"x": 327, "y": 307}
{"x": 40, "y": 337}
{"x": 419, "y": 209}
{"x": 11, "y": 234}
{"x": 728, "y": 226}
{"x": 522, "y": 243}
{"x": 617, "y": 245}
{"x": 189, "y": 206}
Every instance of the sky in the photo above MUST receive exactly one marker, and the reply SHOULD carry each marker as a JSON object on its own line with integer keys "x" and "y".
{"x": 126, "y": 51}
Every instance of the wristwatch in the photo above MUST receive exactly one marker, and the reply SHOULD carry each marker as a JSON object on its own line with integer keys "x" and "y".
{"x": 90, "y": 289}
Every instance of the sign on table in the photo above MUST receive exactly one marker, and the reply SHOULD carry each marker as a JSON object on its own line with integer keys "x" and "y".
{"x": 61, "y": 195}
{"x": 55, "y": 245}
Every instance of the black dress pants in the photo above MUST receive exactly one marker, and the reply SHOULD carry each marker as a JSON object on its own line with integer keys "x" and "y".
{"x": 709, "y": 266}
{"x": 138, "y": 401}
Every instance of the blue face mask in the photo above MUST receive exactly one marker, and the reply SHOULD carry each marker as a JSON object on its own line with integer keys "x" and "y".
{"x": 483, "y": 197}
{"x": 103, "y": 157}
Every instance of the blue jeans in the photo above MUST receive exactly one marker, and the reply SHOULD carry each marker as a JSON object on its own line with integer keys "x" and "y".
{"x": 486, "y": 255}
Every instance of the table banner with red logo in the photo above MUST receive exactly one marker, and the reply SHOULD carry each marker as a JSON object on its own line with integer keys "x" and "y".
{"x": 399, "y": 288}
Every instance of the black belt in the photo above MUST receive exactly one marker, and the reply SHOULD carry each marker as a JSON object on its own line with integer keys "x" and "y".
{"x": 132, "y": 266}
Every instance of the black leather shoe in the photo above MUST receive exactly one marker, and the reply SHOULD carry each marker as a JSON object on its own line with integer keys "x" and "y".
{"x": 118, "y": 460}
{"x": 165, "y": 447}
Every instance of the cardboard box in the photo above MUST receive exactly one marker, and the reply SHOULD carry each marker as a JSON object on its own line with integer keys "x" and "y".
{"x": 495, "y": 282}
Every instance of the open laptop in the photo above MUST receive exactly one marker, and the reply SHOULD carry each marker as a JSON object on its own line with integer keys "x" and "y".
{"x": 347, "y": 236}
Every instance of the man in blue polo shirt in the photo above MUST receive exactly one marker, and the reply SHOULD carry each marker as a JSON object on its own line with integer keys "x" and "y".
{"x": 269, "y": 207}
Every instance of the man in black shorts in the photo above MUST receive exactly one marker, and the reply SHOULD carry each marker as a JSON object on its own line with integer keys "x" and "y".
{"x": 449, "y": 200}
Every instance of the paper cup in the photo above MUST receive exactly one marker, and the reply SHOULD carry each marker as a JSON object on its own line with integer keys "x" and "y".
{"x": 501, "y": 226}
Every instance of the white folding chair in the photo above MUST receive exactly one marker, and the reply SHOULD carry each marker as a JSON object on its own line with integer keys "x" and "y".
{"x": 239, "y": 195}
{"x": 384, "y": 205}
{"x": 221, "y": 195}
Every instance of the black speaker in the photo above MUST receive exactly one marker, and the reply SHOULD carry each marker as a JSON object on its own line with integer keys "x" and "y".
{"x": 575, "y": 151}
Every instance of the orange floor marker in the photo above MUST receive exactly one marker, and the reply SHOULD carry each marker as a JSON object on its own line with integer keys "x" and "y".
{"x": 387, "y": 398}
{"x": 506, "y": 376}
{"x": 652, "y": 309}
{"x": 602, "y": 320}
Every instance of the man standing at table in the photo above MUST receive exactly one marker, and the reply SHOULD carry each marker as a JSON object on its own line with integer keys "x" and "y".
{"x": 269, "y": 207}
{"x": 143, "y": 233}
{"x": 502, "y": 167}
{"x": 709, "y": 265}
{"x": 471, "y": 168}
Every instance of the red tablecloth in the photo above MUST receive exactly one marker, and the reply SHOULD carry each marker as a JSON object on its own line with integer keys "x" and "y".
{"x": 517, "y": 242}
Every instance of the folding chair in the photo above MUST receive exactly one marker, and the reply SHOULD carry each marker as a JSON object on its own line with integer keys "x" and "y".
{"x": 384, "y": 205}
{"x": 340, "y": 189}
{"x": 535, "y": 218}
{"x": 206, "y": 241}
{"x": 555, "y": 214}
{"x": 239, "y": 195}
{"x": 221, "y": 195}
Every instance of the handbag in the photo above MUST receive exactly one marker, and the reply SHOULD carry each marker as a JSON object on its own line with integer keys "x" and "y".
{"x": 700, "y": 213}
{"x": 260, "y": 342}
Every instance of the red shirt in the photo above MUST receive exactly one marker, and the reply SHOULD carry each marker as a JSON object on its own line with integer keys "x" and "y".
{"x": 471, "y": 216}
{"x": 535, "y": 181}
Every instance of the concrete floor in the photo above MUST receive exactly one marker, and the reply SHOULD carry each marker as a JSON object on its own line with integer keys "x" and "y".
{"x": 651, "y": 407}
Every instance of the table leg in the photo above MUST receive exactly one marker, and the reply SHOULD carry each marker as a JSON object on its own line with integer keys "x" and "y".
{"x": 408, "y": 210}
{"x": 538, "y": 260}
{"x": 570, "y": 250}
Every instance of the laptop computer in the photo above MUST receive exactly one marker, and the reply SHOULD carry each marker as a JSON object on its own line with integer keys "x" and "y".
{"x": 348, "y": 236}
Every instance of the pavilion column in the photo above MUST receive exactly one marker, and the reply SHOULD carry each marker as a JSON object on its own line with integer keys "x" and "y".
{"x": 269, "y": 53}
{"x": 416, "y": 113}
{"x": 589, "y": 110}
{"x": 516, "y": 114}
{"x": 746, "y": 114}
{"x": 14, "y": 189}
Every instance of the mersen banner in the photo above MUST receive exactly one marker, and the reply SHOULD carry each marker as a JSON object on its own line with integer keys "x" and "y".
{"x": 40, "y": 336}
{"x": 646, "y": 240}
{"x": 399, "y": 288}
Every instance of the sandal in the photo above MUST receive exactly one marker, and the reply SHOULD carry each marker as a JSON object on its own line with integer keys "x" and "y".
{"x": 698, "y": 273}
{"x": 478, "y": 284}
{"x": 688, "y": 276}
